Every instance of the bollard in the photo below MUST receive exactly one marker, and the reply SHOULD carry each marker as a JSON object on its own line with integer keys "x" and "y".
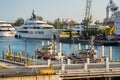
{"x": 88, "y": 60}
{"x": 62, "y": 67}
{"x": 107, "y": 63}
{"x": 28, "y": 62}
{"x": 102, "y": 50}
{"x": 85, "y": 66}
{"x": 110, "y": 55}
{"x": 79, "y": 47}
{"x": 3, "y": 54}
{"x": 61, "y": 48}
{"x": 49, "y": 62}
{"x": 51, "y": 67}
{"x": 68, "y": 61}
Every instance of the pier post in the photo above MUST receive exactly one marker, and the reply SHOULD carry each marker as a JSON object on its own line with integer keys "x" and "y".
{"x": 68, "y": 61}
{"x": 79, "y": 47}
{"x": 28, "y": 62}
{"x": 85, "y": 66}
{"x": 107, "y": 63}
{"x": 110, "y": 55}
{"x": 88, "y": 60}
{"x": 102, "y": 50}
{"x": 49, "y": 62}
{"x": 3, "y": 54}
{"x": 102, "y": 55}
{"x": 62, "y": 67}
{"x": 60, "y": 47}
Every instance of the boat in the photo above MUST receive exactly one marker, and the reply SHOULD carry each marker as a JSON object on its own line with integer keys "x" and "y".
{"x": 34, "y": 28}
{"x": 82, "y": 55}
{"x": 48, "y": 51}
{"x": 6, "y": 29}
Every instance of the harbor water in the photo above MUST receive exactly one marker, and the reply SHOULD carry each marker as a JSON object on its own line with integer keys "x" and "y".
{"x": 29, "y": 46}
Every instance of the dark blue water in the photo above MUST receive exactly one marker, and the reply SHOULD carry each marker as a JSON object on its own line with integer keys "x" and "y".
{"x": 29, "y": 45}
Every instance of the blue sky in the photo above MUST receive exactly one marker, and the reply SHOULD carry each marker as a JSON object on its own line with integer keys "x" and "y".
{"x": 11, "y": 10}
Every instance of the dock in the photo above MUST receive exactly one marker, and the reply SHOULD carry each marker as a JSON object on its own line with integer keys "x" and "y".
{"x": 92, "y": 71}
{"x": 21, "y": 67}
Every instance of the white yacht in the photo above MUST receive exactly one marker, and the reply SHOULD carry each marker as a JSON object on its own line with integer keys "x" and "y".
{"x": 33, "y": 28}
{"x": 6, "y": 29}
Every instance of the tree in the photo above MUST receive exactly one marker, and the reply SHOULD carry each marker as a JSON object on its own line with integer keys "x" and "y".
{"x": 40, "y": 18}
{"x": 19, "y": 22}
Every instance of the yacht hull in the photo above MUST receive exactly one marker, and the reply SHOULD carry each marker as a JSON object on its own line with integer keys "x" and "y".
{"x": 7, "y": 33}
{"x": 42, "y": 33}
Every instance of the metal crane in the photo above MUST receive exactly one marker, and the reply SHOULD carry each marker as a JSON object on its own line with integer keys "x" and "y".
{"x": 111, "y": 6}
{"x": 88, "y": 16}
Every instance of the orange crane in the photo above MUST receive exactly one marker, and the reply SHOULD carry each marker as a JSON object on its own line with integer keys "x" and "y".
{"x": 111, "y": 30}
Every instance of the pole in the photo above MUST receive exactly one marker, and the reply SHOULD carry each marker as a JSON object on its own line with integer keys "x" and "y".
{"x": 25, "y": 46}
{"x": 110, "y": 55}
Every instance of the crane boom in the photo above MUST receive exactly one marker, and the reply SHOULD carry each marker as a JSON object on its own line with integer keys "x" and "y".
{"x": 87, "y": 18}
{"x": 88, "y": 9}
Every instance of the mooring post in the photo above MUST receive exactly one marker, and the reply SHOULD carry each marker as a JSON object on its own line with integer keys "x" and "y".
{"x": 107, "y": 63}
{"x": 62, "y": 67}
{"x": 88, "y": 60}
{"x": 49, "y": 62}
{"x": 102, "y": 50}
{"x": 85, "y": 66}
{"x": 61, "y": 48}
{"x": 79, "y": 47}
{"x": 110, "y": 54}
{"x": 3, "y": 54}
{"x": 102, "y": 55}
{"x": 68, "y": 61}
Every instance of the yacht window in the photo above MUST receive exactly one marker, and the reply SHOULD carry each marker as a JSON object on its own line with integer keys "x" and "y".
{"x": 25, "y": 27}
{"x": 23, "y": 31}
{"x": 47, "y": 27}
{"x": 36, "y": 27}
{"x": 40, "y": 32}
{"x": 28, "y": 27}
{"x": 29, "y": 24}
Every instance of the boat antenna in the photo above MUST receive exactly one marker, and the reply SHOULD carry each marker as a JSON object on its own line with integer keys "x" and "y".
{"x": 34, "y": 15}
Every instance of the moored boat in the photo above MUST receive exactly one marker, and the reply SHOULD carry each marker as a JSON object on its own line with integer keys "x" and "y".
{"x": 34, "y": 28}
{"x": 48, "y": 51}
{"x": 6, "y": 29}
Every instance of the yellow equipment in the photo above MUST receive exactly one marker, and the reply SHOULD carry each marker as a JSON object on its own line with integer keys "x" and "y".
{"x": 50, "y": 71}
{"x": 111, "y": 30}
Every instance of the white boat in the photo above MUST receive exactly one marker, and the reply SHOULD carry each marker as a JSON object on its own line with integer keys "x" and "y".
{"x": 34, "y": 28}
{"x": 6, "y": 29}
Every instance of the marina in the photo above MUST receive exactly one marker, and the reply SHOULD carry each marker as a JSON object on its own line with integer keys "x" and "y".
{"x": 61, "y": 49}
{"x": 64, "y": 70}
